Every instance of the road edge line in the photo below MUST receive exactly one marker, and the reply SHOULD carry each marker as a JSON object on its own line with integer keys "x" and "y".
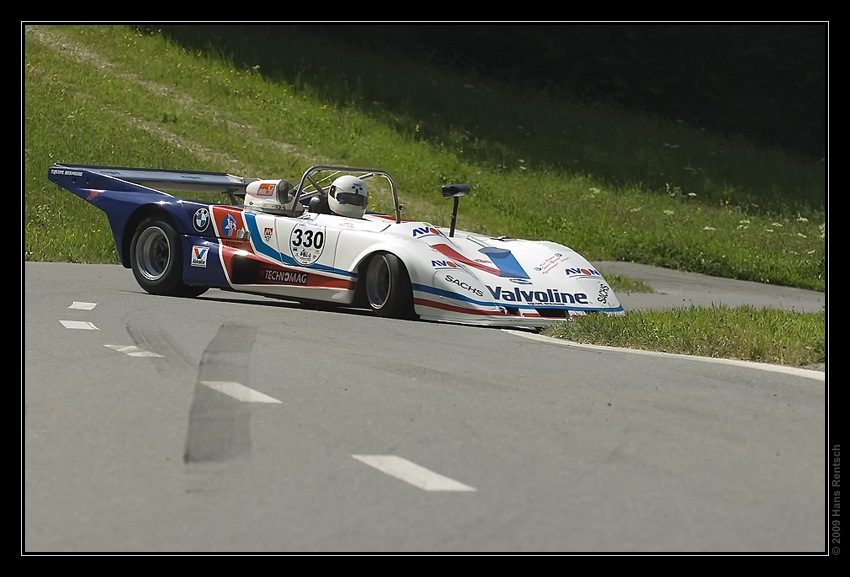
{"x": 797, "y": 371}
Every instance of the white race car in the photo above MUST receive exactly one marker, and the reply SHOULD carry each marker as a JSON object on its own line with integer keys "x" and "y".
{"x": 317, "y": 242}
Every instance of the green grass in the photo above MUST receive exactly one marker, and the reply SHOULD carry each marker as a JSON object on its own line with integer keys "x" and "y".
{"x": 746, "y": 333}
{"x": 611, "y": 185}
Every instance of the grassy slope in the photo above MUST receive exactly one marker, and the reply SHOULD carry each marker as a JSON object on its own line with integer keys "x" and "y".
{"x": 610, "y": 185}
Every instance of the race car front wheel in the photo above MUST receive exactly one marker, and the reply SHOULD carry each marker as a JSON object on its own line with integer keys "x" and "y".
{"x": 388, "y": 290}
{"x": 156, "y": 260}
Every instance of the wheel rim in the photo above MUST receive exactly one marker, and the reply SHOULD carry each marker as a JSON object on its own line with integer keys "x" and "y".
{"x": 378, "y": 283}
{"x": 153, "y": 253}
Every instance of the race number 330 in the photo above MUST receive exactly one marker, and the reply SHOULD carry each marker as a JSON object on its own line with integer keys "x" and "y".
{"x": 307, "y": 242}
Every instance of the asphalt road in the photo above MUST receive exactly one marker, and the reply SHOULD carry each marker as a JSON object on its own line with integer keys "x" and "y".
{"x": 231, "y": 423}
{"x": 682, "y": 289}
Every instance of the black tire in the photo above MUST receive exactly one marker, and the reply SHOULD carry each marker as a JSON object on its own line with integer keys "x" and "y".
{"x": 157, "y": 261}
{"x": 387, "y": 287}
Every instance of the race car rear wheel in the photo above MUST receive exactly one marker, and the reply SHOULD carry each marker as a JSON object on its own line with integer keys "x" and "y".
{"x": 388, "y": 290}
{"x": 156, "y": 260}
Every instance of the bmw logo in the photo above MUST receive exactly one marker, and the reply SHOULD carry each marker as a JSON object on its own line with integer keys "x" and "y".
{"x": 202, "y": 219}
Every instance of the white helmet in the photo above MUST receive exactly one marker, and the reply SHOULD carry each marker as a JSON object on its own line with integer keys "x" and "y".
{"x": 348, "y": 196}
{"x": 268, "y": 195}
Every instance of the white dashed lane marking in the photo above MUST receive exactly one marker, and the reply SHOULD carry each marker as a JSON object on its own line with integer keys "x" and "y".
{"x": 239, "y": 392}
{"x": 391, "y": 465}
{"x": 79, "y": 325}
{"x": 132, "y": 351}
{"x": 412, "y": 473}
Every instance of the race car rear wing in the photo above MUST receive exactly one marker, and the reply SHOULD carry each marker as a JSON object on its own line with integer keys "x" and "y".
{"x": 221, "y": 182}
{"x": 175, "y": 180}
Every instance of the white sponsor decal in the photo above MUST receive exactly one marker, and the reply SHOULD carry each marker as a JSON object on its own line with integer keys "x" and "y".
{"x": 306, "y": 242}
{"x": 199, "y": 256}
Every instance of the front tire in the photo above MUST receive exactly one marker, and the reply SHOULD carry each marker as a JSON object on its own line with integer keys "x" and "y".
{"x": 388, "y": 290}
{"x": 157, "y": 261}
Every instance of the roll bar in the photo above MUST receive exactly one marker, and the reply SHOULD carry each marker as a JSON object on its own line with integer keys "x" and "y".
{"x": 364, "y": 173}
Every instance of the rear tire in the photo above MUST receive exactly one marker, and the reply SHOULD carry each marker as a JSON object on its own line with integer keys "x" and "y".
{"x": 388, "y": 291}
{"x": 157, "y": 261}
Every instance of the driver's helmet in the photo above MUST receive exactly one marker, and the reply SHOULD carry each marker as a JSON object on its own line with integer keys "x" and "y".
{"x": 269, "y": 196}
{"x": 347, "y": 196}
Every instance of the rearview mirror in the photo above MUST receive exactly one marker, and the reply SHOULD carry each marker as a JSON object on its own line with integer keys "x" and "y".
{"x": 455, "y": 191}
